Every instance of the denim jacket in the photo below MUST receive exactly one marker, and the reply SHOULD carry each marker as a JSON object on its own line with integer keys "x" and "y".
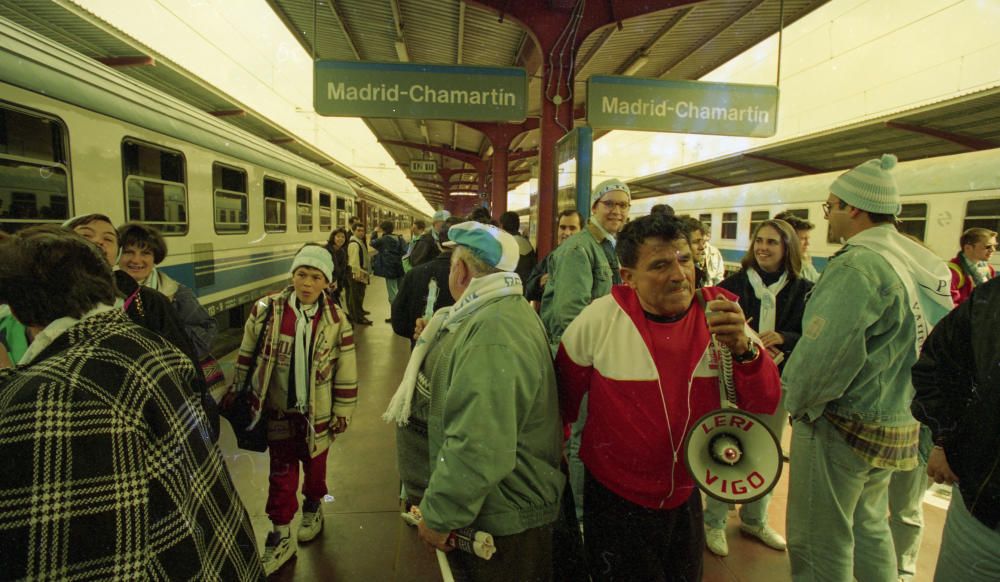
{"x": 856, "y": 349}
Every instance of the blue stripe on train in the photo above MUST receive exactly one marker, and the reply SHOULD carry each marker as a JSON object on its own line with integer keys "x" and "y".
{"x": 265, "y": 266}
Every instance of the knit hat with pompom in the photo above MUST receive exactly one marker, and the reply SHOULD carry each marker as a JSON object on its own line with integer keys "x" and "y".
{"x": 870, "y": 186}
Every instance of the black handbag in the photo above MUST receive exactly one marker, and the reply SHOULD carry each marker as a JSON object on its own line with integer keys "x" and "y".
{"x": 238, "y": 410}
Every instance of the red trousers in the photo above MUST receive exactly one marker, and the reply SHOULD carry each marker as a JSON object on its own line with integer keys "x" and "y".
{"x": 286, "y": 454}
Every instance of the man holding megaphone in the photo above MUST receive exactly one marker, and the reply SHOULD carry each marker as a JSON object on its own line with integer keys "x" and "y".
{"x": 646, "y": 357}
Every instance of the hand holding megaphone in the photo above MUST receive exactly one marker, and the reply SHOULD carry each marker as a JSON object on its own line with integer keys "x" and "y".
{"x": 728, "y": 324}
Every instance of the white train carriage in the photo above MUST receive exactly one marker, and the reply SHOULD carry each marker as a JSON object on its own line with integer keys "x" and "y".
{"x": 941, "y": 197}
{"x": 77, "y": 137}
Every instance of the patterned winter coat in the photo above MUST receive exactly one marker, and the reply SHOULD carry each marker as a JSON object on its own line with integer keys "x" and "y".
{"x": 106, "y": 466}
{"x": 333, "y": 379}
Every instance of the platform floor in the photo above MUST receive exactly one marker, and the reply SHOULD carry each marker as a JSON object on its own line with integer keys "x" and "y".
{"x": 365, "y": 540}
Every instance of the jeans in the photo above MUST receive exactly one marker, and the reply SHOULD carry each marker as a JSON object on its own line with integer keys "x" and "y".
{"x": 970, "y": 551}
{"x": 906, "y": 510}
{"x": 837, "y": 507}
{"x": 576, "y": 469}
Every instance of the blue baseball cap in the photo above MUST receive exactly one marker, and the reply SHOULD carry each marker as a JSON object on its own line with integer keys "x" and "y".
{"x": 494, "y": 246}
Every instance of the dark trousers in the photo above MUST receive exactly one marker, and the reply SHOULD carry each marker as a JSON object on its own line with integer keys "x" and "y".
{"x": 522, "y": 557}
{"x": 356, "y": 301}
{"x": 629, "y": 542}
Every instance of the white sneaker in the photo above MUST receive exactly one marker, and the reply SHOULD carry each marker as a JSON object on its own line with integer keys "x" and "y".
{"x": 715, "y": 539}
{"x": 278, "y": 550}
{"x": 765, "y": 534}
{"x": 312, "y": 524}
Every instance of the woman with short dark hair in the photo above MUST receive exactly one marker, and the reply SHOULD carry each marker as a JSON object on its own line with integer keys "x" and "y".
{"x": 142, "y": 249}
{"x": 102, "y": 410}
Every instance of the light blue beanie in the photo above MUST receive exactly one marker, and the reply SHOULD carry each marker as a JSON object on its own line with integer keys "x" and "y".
{"x": 870, "y": 187}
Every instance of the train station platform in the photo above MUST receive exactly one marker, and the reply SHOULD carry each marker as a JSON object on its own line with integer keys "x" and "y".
{"x": 364, "y": 538}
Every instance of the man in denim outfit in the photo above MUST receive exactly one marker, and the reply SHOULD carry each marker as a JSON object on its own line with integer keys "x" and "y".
{"x": 847, "y": 384}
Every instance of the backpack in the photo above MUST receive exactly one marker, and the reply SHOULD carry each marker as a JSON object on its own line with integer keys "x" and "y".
{"x": 388, "y": 262}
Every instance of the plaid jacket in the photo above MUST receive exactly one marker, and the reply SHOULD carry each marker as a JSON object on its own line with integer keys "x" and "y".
{"x": 107, "y": 470}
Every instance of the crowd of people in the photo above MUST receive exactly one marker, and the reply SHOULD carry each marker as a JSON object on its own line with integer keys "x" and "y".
{"x": 544, "y": 402}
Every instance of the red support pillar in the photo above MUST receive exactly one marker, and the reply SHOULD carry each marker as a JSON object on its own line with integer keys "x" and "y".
{"x": 500, "y": 136}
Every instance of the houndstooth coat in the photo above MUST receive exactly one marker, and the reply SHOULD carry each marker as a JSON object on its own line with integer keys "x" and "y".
{"x": 106, "y": 466}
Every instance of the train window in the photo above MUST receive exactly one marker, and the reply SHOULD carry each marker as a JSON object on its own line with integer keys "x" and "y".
{"x": 706, "y": 219}
{"x": 913, "y": 220}
{"x": 304, "y": 206}
{"x": 729, "y": 224}
{"x": 34, "y": 175}
{"x": 341, "y": 212}
{"x": 802, "y": 213}
{"x": 274, "y": 205}
{"x": 325, "y": 212}
{"x": 982, "y": 214}
{"x": 757, "y": 217}
{"x": 155, "y": 188}
{"x": 232, "y": 205}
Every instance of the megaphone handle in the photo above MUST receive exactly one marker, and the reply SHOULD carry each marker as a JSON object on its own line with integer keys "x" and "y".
{"x": 727, "y": 387}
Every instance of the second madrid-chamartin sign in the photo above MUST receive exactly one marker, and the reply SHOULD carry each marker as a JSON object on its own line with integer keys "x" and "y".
{"x": 361, "y": 89}
{"x": 682, "y": 106}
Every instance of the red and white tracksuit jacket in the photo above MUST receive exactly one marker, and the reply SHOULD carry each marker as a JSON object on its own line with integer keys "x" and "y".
{"x": 648, "y": 384}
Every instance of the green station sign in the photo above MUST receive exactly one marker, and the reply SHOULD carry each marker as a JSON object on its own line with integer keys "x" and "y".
{"x": 615, "y": 102}
{"x": 412, "y": 91}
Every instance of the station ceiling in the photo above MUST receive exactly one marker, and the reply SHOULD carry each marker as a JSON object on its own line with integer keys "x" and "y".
{"x": 684, "y": 40}
{"x": 963, "y": 124}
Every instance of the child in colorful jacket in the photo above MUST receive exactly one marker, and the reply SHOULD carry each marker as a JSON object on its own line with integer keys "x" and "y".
{"x": 304, "y": 387}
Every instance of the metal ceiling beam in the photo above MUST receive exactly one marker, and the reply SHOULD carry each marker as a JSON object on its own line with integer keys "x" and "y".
{"x": 805, "y": 169}
{"x": 344, "y": 28}
{"x": 973, "y": 143}
{"x": 709, "y": 37}
{"x": 654, "y": 40}
{"x": 521, "y": 155}
{"x": 596, "y": 48}
{"x": 461, "y": 156}
{"x": 229, "y": 113}
{"x": 401, "y": 51}
{"x": 307, "y": 44}
{"x": 461, "y": 32}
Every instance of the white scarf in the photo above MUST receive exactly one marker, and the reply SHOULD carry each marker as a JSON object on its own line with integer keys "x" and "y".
{"x": 152, "y": 280}
{"x": 925, "y": 276}
{"x": 303, "y": 338}
{"x": 480, "y": 291}
{"x": 53, "y": 331}
{"x": 768, "y": 297}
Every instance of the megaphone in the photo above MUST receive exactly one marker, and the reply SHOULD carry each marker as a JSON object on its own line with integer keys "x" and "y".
{"x": 733, "y": 456}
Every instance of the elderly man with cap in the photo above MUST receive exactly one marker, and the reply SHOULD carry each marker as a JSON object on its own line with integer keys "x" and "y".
{"x": 428, "y": 246}
{"x": 847, "y": 384}
{"x": 299, "y": 349}
{"x": 483, "y": 370}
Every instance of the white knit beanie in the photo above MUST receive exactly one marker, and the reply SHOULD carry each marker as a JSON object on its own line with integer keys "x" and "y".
{"x": 316, "y": 257}
{"x": 870, "y": 186}
{"x": 608, "y": 186}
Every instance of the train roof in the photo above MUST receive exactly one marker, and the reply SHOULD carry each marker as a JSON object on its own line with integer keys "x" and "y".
{"x": 37, "y": 64}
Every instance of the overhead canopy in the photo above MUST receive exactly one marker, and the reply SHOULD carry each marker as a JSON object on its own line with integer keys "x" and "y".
{"x": 967, "y": 123}
{"x": 683, "y": 42}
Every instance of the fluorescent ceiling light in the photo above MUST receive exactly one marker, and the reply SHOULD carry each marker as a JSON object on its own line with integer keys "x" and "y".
{"x": 423, "y": 131}
{"x": 850, "y": 152}
{"x": 637, "y": 64}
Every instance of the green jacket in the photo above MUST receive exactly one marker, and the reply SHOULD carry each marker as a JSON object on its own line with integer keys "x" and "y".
{"x": 12, "y": 335}
{"x": 493, "y": 429}
{"x": 582, "y": 269}
{"x": 856, "y": 349}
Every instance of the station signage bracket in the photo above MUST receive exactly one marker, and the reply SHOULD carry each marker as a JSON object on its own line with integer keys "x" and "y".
{"x": 418, "y": 91}
{"x": 701, "y": 107}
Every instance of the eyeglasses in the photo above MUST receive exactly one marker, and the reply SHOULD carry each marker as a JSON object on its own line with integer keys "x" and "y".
{"x": 611, "y": 205}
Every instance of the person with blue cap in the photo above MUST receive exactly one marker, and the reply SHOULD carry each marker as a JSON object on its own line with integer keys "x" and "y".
{"x": 483, "y": 370}
{"x": 583, "y": 269}
{"x": 428, "y": 246}
{"x": 848, "y": 385}
{"x": 298, "y": 350}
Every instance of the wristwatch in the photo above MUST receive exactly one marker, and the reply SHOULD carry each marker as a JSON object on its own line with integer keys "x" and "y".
{"x": 749, "y": 355}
